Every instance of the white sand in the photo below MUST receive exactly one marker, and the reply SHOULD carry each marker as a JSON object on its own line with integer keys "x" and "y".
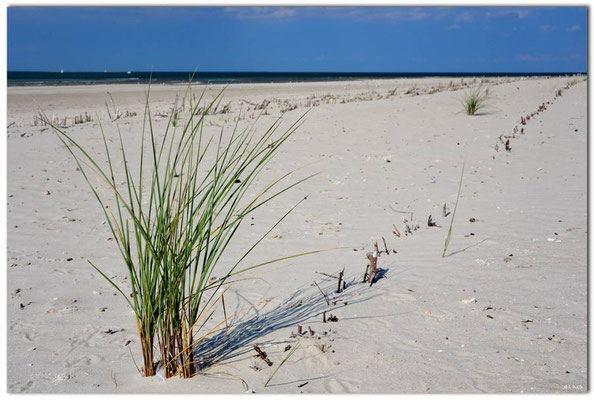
{"x": 416, "y": 331}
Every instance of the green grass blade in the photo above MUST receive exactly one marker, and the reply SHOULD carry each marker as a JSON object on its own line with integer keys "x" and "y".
{"x": 282, "y": 362}
{"x": 449, "y": 235}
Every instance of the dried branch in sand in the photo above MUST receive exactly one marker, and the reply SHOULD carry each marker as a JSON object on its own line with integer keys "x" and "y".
{"x": 340, "y": 275}
{"x": 262, "y": 105}
{"x": 263, "y": 355}
{"x": 371, "y": 270}
{"x": 407, "y": 227}
{"x": 395, "y": 231}
{"x": 385, "y": 246}
{"x": 81, "y": 119}
{"x": 224, "y": 110}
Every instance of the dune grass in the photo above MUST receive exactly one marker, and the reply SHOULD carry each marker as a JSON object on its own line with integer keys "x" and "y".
{"x": 173, "y": 219}
{"x": 475, "y": 100}
{"x": 449, "y": 235}
{"x": 573, "y": 82}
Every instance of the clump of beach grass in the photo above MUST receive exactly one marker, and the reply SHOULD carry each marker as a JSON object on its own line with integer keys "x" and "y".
{"x": 475, "y": 100}
{"x": 576, "y": 79}
{"x": 173, "y": 219}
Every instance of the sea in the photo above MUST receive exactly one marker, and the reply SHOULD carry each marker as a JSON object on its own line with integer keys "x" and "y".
{"x": 26, "y": 78}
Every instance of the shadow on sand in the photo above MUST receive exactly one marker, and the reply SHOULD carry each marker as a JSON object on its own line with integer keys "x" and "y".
{"x": 300, "y": 306}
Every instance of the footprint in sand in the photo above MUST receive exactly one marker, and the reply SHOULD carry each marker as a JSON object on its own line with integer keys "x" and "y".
{"x": 27, "y": 330}
{"x": 20, "y": 387}
{"x": 30, "y": 337}
{"x": 63, "y": 310}
{"x": 84, "y": 361}
{"x": 119, "y": 339}
{"x": 62, "y": 306}
{"x": 77, "y": 342}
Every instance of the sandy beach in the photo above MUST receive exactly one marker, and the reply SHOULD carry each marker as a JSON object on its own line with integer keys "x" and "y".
{"x": 505, "y": 311}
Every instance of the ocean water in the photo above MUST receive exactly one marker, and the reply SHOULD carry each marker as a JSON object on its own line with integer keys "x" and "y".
{"x": 23, "y": 78}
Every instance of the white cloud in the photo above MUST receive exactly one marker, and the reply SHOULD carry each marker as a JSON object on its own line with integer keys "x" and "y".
{"x": 375, "y": 13}
{"x": 520, "y": 13}
{"x": 547, "y": 28}
{"x": 347, "y": 13}
{"x": 261, "y": 12}
{"x": 455, "y": 26}
{"x": 574, "y": 28}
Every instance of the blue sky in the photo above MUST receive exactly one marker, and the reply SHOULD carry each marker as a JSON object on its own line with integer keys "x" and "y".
{"x": 366, "y": 39}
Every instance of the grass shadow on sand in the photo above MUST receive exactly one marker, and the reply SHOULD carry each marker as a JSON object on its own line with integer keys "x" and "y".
{"x": 299, "y": 307}
{"x": 300, "y": 381}
{"x": 467, "y": 247}
{"x": 484, "y": 113}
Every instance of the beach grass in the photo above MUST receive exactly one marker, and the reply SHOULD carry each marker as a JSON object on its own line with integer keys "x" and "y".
{"x": 174, "y": 218}
{"x": 449, "y": 234}
{"x": 475, "y": 100}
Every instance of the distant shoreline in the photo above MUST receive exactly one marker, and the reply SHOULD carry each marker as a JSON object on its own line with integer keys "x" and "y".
{"x": 26, "y": 78}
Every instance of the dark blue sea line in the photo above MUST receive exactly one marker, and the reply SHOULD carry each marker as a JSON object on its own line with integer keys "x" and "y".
{"x": 24, "y": 78}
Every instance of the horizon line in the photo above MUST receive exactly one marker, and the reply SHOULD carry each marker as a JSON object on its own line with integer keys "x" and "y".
{"x": 297, "y": 72}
